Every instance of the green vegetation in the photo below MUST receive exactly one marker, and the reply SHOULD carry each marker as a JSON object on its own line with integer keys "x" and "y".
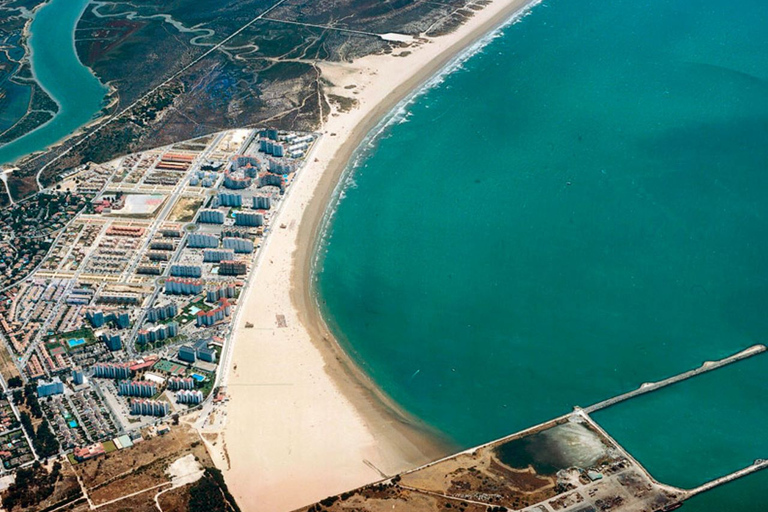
{"x": 109, "y": 446}
{"x": 30, "y": 394}
{"x": 185, "y": 316}
{"x": 43, "y": 440}
{"x": 32, "y": 486}
{"x": 207, "y": 385}
{"x": 343, "y": 103}
{"x": 86, "y": 333}
{"x": 15, "y": 382}
{"x": 29, "y": 122}
{"x": 210, "y": 494}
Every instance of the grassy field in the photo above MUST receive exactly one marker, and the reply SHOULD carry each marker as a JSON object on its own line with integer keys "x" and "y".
{"x": 7, "y": 366}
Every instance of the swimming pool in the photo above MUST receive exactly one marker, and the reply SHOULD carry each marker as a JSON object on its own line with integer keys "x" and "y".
{"x": 197, "y": 377}
{"x": 76, "y": 342}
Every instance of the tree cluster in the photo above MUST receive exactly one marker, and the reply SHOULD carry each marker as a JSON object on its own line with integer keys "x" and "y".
{"x": 210, "y": 494}
{"x": 32, "y": 486}
{"x": 43, "y": 440}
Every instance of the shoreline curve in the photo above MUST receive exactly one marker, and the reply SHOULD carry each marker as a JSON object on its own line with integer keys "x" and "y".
{"x": 304, "y": 421}
{"x": 368, "y": 397}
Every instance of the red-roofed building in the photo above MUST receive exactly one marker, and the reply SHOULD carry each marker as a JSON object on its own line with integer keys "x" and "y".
{"x": 88, "y": 452}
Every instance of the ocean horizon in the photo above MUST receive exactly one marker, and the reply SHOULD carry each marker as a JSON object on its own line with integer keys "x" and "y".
{"x": 571, "y": 209}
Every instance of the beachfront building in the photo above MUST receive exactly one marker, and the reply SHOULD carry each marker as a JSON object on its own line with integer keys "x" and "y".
{"x": 145, "y": 407}
{"x": 177, "y": 286}
{"x": 240, "y": 179}
{"x": 202, "y": 240}
{"x": 262, "y": 202}
{"x": 271, "y": 147}
{"x": 186, "y": 270}
{"x": 217, "y": 255}
{"x": 250, "y": 219}
{"x": 269, "y": 133}
{"x": 206, "y": 354}
{"x": 209, "y": 318}
{"x": 297, "y": 150}
{"x": 295, "y": 138}
{"x": 187, "y": 354}
{"x": 268, "y": 179}
{"x": 177, "y": 383}
{"x": 236, "y": 233}
{"x": 209, "y": 216}
{"x": 281, "y": 166}
{"x": 189, "y": 397}
{"x": 228, "y": 291}
{"x": 233, "y": 268}
{"x": 230, "y": 199}
{"x": 54, "y": 387}
{"x": 239, "y": 245}
{"x": 142, "y": 389}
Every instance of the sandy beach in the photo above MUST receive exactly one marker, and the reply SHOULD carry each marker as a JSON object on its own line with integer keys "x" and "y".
{"x": 303, "y": 422}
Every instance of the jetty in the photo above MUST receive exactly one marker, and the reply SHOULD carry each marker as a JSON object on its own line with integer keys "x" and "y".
{"x": 479, "y": 479}
{"x": 752, "y": 468}
{"x": 648, "y": 387}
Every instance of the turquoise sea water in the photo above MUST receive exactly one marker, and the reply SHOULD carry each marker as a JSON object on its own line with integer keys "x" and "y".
{"x": 59, "y": 71}
{"x": 580, "y": 208}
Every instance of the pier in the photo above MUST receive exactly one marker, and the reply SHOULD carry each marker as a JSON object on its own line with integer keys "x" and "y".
{"x": 753, "y": 468}
{"x": 477, "y": 478}
{"x": 647, "y": 387}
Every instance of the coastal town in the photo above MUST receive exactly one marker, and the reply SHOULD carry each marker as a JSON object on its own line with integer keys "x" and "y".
{"x": 123, "y": 323}
{"x": 228, "y": 282}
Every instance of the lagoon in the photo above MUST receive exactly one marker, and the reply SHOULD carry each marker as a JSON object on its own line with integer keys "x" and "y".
{"x": 57, "y": 68}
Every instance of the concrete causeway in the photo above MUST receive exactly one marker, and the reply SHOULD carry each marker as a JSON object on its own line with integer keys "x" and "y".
{"x": 647, "y": 387}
